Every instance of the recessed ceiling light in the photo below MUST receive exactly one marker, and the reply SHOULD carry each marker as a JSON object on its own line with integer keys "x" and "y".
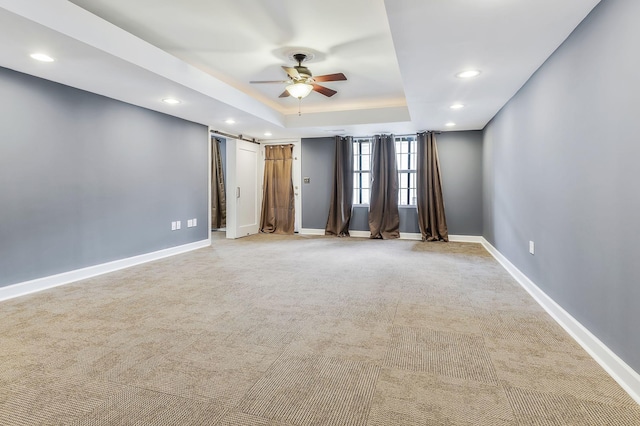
{"x": 42, "y": 57}
{"x": 230, "y": 121}
{"x": 468, "y": 74}
{"x": 170, "y": 101}
{"x": 450, "y": 124}
{"x": 456, "y": 106}
{"x": 267, "y": 133}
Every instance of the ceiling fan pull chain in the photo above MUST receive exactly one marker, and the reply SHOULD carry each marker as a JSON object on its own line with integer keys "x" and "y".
{"x": 299, "y": 106}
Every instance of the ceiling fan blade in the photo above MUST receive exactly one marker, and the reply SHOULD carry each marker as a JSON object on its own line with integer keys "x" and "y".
{"x": 270, "y": 81}
{"x": 292, "y": 72}
{"x": 284, "y": 94}
{"x": 324, "y": 90}
{"x": 330, "y": 77}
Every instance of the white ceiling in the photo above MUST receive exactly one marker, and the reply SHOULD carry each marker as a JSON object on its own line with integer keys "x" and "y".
{"x": 400, "y": 57}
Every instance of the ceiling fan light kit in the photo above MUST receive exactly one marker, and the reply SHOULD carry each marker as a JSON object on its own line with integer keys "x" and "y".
{"x": 299, "y": 90}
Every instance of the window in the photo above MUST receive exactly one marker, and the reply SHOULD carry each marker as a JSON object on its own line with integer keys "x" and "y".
{"x": 361, "y": 170}
{"x": 406, "y": 160}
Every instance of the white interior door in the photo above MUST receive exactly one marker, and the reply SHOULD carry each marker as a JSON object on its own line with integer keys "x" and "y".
{"x": 243, "y": 208}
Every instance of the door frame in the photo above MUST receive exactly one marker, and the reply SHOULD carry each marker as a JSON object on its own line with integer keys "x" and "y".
{"x": 211, "y": 134}
{"x": 296, "y": 175}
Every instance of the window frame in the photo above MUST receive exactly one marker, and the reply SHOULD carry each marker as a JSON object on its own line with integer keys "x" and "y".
{"x": 412, "y": 155}
{"x": 358, "y": 171}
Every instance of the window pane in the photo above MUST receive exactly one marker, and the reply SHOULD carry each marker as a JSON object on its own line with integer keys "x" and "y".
{"x": 412, "y": 182}
{"x": 405, "y": 180}
{"x": 414, "y": 157}
{"x": 366, "y": 180}
{"x": 404, "y": 162}
{"x": 403, "y": 198}
{"x": 356, "y": 148}
{"x": 366, "y": 148}
{"x": 365, "y": 196}
{"x": 366, "y": 162}
{"x": 414, "y": 197}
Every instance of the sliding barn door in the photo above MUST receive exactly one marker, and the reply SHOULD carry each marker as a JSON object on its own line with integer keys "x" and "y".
{"x": 243, "y": 208}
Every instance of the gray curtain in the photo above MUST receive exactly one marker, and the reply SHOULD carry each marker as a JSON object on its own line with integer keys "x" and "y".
{"x": 218, "y": 197}
{"x": 384, "y": 219}
{"x": 431, "y": 217}
{"x": 342, "y": 190}
{"x": 278, "y": 202}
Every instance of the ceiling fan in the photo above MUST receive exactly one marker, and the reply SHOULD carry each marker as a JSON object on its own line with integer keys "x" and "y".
{"x": 301, "y": 82}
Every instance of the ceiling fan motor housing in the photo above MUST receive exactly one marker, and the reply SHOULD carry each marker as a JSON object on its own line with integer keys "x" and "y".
{"x": 304, "y": 72}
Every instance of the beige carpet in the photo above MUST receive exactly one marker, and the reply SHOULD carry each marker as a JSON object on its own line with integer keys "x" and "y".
{"x": 271, "y": 330}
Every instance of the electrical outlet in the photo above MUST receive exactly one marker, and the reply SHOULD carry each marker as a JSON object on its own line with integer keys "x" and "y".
{"x": 178, "y": 224}
{"x": 532, "y": 247}
{"x": 173, "y": 226}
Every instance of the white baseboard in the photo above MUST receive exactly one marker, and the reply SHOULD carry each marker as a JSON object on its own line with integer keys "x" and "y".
{"x": 311, "y": 231}
{"x": 27, "y": 287}
{"x": 626, "y": 377}
{"x": 403, "y": 235}
{"x": 466, "y": 239}
{"x": 360, "y": 234}
{"x": 410, "y": 236}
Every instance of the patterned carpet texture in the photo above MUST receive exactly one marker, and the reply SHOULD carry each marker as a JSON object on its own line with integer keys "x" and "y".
{"x": 300, "y": 331}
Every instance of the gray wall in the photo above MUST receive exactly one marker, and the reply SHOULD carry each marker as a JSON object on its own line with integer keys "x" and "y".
{"x": 461, "y": 163}
{"x": 460, "y": 156}
{"x": 561, "y": 169}
{"x": 86, "y": 180}
{"x": 317, "y": 164}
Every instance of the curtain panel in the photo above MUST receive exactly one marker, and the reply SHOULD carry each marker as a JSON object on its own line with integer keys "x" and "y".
{"x": 342, "y": 189}
{"x": 278, "y": 203}
{"x": 431, "y": 216}
{"x": 384, "y": 218}
{"x": 218, "y": 197}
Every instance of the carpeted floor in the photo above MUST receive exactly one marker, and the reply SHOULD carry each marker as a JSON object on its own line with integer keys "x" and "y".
{"x": 273, "y": 330}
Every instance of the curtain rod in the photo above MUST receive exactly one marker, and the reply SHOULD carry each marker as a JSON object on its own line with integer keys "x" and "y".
{"x": 229, "y": 135}
{"x": 398, "y": 136}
